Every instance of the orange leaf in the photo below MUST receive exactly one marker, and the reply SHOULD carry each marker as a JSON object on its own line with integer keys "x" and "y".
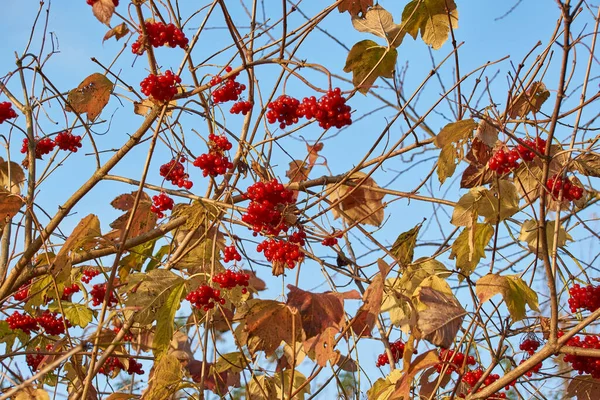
{"x": 322, "y": 347}
{"x": 117, "y": 32}
{"x": 355, "y": 7}
{"x": 424, "y": 361}
{"x": 143, "y": 218}
{"x": 368, "y": 312}
{"x": 91, "y": 96}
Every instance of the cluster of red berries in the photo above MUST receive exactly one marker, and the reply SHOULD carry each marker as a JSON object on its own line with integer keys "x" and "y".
{"x": 534, "y": 370}
{"x": 6, "y": 111}
{"x": 161, "y": 88}
{"x": 34, "y": 360}
{"x": 91, "y": 2}
{"x": 397, "y": 349}
{"x": 51, "y": 324}
{"x": 230, "y": 279}
{"x": 529, "y": 345}
{"x": 160, "y": 34}
{"x": 112, "y": 363}
{"x": 281, "y": 252}
{"x": 241, "y": 107}
{"x": 332, "y": 240}
{"x": 98, "y": 292}
{"x": 584, "y": 364}
{"x": 330, "y": 110}
{"x": 454, "y": 360}
{"x": 526, "y": 154}
{"x": 587, "y": 298}
{"x": 23, "y": 292}
{"x": 42, "y": 147}
{"x": 161, "y": 203}
{"x": 89, "y": 274}
{"x": 128, "y": 337}
{"x": 69, "y": 290}
{"x": 24, "y": 322}
{"x": 230, "y": 253}
{"x": 472, "y": 377}
{"x": 264, "y": 212}
{"x": 570, "y": 192}
{"x": 174, "y": 172}
{"x": 65, "y": 140}
{"x": 205, "y": 297}
{"x": 230, "y": 91}
{"x": 215, "y": 162}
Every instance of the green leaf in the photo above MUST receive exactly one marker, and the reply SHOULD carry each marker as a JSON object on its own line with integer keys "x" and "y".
{"x": 235, "y": 362}
{"x": 164, "y": 320}
{"x": 157, "y": 259}
{"x": 136, "y": 258}
{"x": 465, "y": 211}
{"x": 38, "y": 291}
{"x": 469, "y": 247}
{"x": 455, "y": 132}
{"x": 152, "y": 293}
{"x": 165, "y": 379}
{"x": 529, "y": 234}
{"x": 9, "y": 336}
{"x": 380, "y": 22}
{"x": 499, "y": 203}
{"x": 367, "y": 61}
{"x": 446, "y": 163}
{"x": 91, "y": 96}
{"x": 77, "y": 314}
{"x": 430, "y": 17}
{"x": 403, "y": 248}
{"x": 515, "y": 291}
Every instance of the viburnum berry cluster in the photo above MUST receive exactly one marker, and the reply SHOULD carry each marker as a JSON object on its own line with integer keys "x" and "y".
{"x": 98, "y": 292}
{"x": 205, "y": 297}
{"x": 265, "y": 211}
{"x": 504, "y": 160}
{"x": 330, "y": 110}
{"x": 215, "y": 162}
{"x": 230, "y": 253}
{"x": 570, "y": 191}
{"x": 472, "y": 377}
{"x": 23, "y": 292}
{"x": 52, "y": 324}
{"x": 89, "y": 274}
{"x": 332, "y": 239}
{"x": 6, "y": 112}
{"x": 160, "y": 34}
{"x": 282, "y": 252}
{"x": 33, "y": 360}
{"x": 24, "y": 322}
{"x": 161, "y": 203}
{"x": 91, "y": 2}
{"x": 113, "y": 364}
{"x": 241, "y": 107}
{"x": 524, "y": 147}
{"x": 230, "y": 91}
{"x": 70, "y": 290}
{"x": 65, "y": 140}
{"x": 160, "y": 87}
{"x": 42, "y": 147}
{"x": 174, "y": 172}
{"x": 454, "y": 361}
{"x": 587, "y": 298}
{"x": 230, "y": 279}
{"x": 529, "y": 345}
{"x": 397, "y": 349}
{"x": 584, "y": 364}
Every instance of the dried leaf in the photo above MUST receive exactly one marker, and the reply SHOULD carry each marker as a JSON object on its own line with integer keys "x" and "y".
{"x": 428, "y": 388}
{"x": 469, "y": 247}
{"x": 530, "y": 100}
{"x": 117, "y": 32}
{"x": 255, "y": 282}
{"x": 10, "y": 205}
{"x": 588, "y": 164}
{"x": 368, "y": 61}
{"x": 319, "y": 311}
{"x": 499, "y": 203}
{"x": 487, "y": 133}
{"x": 430, "y": 17}
{"x": 313, "y": 152}
{"x": 92, "y": 95}
{"x": 165, "y": 377}
{"x": 379, "y": 22}
{"x": 442, "y": 318}
{"x": 359, "y": 204}
{"x": 529, "y": 234}
{"x": 383, "y": 388}
{"x": 12, "y": 177}
{"x": 455, "y": 132}
{"x": 321, "y": 348}
{"x": 355, "y": 7}
{"x": 143, "y": 220}
{"x": 404, "y": 385}
{"x": 465, "y": 211}
{"x": 515, "y": 291}
{"x": 446, "y": 163}
{"x": 298, "y": 171}
{"x": 29, "y": 393}
{"x": 403, "y": 248}
{"x": 103, "y": 10}
{"x": 585, "y": 387}
{"x": 266, "y": 323}
{"x": 367, "y": 313}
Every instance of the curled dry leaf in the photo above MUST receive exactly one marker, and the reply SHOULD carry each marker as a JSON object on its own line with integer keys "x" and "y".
{"x": 422, "y": 362}
{"x": 92, "y": 95}
{"x": 358, "y": 204}
{"x": 298, "y": 171}
{"x": 321, "y": 348}
{"x": 367, "y": 313}
{"x": 355, "y": 7}
{"x": 442, "y": 318}
{"x": 487, "y": 133}
{"x": 403, "y": 248}
{"x": 117, "y": 32}
{"x": 528, "y": 101}
{"x": 587, "y": 164}
{"x": 143, "y": 218}
{"x": 313, "y": 152}
{"x": 12, "y": 177}
{"x": 10, "y": 204}
{"x": 103, "y": 10}
{"x": 29, "y": 393}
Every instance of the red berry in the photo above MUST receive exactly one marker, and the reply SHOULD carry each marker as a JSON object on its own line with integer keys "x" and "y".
{"x": 161, "y": 203}
{"x": 89, "y": 274}
{"x": 98, "y": 292}
{"x": 264, "y": 213}
{"x": 570, "y": 192}
{"x": 204, "y": 297}
{"x": 397, "y": 349}
{"x": 230, "y": 253}
{"x": 160, "y": 34}
{"x": 24, "y": 322}
{"x": 6, "y": 111}
{"x": 42, "y": 147}
{"x": 174, "y": 172}
{"x": 52, "y": 324}
{"x": 229, "y": 91}
{"x": 230, "y": 279}
{"x": 330, "y": 110}
{"x": 241, "y": 107}
{"x": 161, "y": 88}
{"x": 67, "y": 141}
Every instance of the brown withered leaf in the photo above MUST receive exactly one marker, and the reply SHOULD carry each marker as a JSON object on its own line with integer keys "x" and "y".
{"x": 103, "y": 10}
{"x": 528, "y": 101}
{"x": 117, "y": 32}
{"x": 423, "y": 361}
{"x": 346, "y": 363}
{"x": 319, "y": 311}
{"x": 358, "y": 204}
{"x": 479, "y": 153}
{"x": 10, "y": 204}
{"x": 321, "y": 348}
{"x": 92, "y": 95}
{"x": 12, "y": 177}
{"x": 486, "y": 133}
{"x": 355, "y": 7}
{"x": 216, "y": 380}
{"x": 262, "y": 172}
{"x": 255, "y": 282}
{"x": 298, "y": 171}
{"x": 143, "y": 218}
{"x": 264, "y": 324}
{"x": 476, "y": 176}
{"x": 427, "y": 388}
{"x": 585, "y": 387}
{"x": 442, "y": 318}
{"x": 588, "y": 164}
{"x": 29, "y": 393}
{"x": 313, "y": 152}
{"x": 367, "y": 313}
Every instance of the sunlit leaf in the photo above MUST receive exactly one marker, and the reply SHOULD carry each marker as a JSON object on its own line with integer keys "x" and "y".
{"x": 442, "y": 318}
{"x": 383, "y": 388}
{"x": 117, "y": 32}
{"x": 368, "y": 61}
{"x": 165, "y": 378}
{"x": 420, "y": 363}
{"x": 588, "y": 164}
{"x": 77, "y": 314}
{"x": 455, "y": 132}
{"x": 12, "y": 177}
{"x": 430, "y": 17}
{"x": 367, "y": 313}
{"x": 358, "y": 204}
{"x": 404, "y": 246}
{"x": 164, "y": 320}
{"x": 355, "y": 7}
{"x": 92, "y": 95}
{"x": 446, "y": 163}
{"x": 515, "y": 291}
{"x": 465, "y": 211}
{"x": 379, "y": 22}
{"x": 530, "y": 100}
{"x": 500, "y": 202}
{"x": 529, "y": 234}
{"x": 469, "y": 247}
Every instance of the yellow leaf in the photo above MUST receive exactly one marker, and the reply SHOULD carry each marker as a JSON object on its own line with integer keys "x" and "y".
{"x": 446, "y": 163}
{"x": 430, "y": 17}
{"x": 378, "y": 21}
{"x": 529, "y": 234}
{"x": 455, "y": 132}
{"x": 367, "y": 61}
{"x": 469, "y": 247}
{"x": 515, "y": 291}
{"x": 499, "y": 203}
